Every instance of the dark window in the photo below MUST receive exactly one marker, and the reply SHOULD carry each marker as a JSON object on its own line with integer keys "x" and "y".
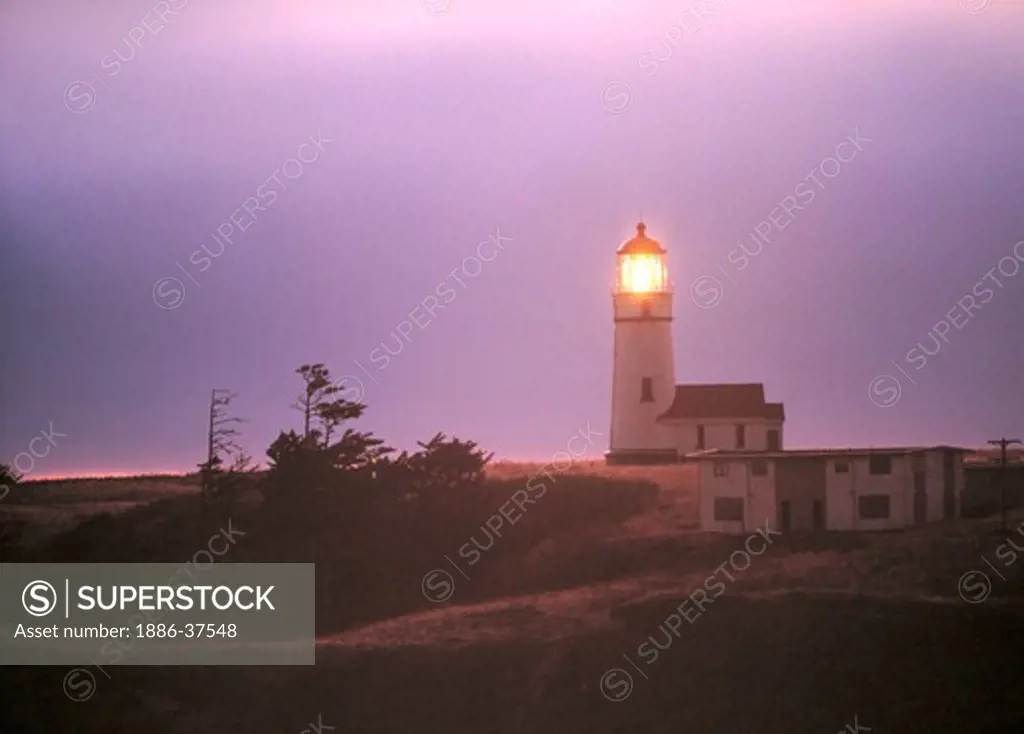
{"x": 700, "y": 437}
{"x": 728, "y": 509}
{"x": 646, "y": 390}
{"x": 741, "y": 436}
{"x": 784, "y": 515}
{"x": 881, "y": 464}
{"x": 774, "y": 444}
{"x": 759, "y": 467}
{"x": 873, "y": 506}
{"x": 721, "y": 468}
{"x": 842, "y": 466}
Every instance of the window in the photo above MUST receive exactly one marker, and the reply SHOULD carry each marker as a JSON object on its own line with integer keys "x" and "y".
{"x": 759, "y": 467}
{"x": 721, "y": 468}
{"x": 842, "y": 466}
{"x": 741, "y": 436}
{"x": 774, "y": 442}
{"x": 881, "y": 464}
{"x": 873, "y": 506}
{"x": 646, "y": 390}
{"x": 728, "y": 509}
{"x": 700, "y": 437}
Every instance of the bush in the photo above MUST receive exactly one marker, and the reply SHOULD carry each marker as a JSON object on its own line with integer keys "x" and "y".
{"x": 9, "y": 476}
{"x": 440, "y": 463}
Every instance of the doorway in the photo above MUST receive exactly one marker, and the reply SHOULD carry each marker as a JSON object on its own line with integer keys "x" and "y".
{"x": 800, "y": 482}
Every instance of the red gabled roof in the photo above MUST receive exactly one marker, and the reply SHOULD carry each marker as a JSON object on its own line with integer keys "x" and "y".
{"x": 722, "y": 401}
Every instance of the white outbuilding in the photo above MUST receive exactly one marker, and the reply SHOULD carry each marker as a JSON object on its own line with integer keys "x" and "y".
{"x": 829, "y": 489}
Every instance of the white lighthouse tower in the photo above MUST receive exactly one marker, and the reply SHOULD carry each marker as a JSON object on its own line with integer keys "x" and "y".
{"x": 643, "y": 375}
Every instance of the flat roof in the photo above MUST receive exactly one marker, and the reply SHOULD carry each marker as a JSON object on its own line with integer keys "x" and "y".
{"x": 994, "y": 466}
{"x": 811, "y": 453}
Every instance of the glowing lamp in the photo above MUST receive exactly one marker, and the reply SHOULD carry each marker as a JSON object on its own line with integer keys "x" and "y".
{"x": 642, "y": 265}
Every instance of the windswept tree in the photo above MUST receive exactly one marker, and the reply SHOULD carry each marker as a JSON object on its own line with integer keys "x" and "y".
{"x": 313, "y": 458}
{"x": 322, "y": 412}
{"x": 222, "y": 446}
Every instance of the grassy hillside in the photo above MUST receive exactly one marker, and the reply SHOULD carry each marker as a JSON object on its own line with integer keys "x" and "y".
{"x": 818, "y": 629}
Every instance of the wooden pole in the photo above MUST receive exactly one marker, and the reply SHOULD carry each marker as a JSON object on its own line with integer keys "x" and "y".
{"x": 1002, "y": 443}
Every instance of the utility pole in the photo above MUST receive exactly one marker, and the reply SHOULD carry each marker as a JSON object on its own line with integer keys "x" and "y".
{"x": 1002, "y": 443}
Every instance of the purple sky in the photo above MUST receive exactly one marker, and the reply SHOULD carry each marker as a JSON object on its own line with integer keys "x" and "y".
{"x": 446, "y": 126}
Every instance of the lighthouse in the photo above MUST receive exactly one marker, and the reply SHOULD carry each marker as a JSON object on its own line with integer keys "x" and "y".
{"x": 643, "y": 373}
{"x": 654, "y": 420}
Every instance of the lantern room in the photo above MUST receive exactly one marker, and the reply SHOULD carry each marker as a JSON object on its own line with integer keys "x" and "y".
{"x": 642, "y": 265}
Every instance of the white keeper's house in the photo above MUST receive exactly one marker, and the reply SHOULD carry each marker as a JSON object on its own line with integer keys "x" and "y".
{"x": 829, "y": 489}
{"x": 735, "y": 437}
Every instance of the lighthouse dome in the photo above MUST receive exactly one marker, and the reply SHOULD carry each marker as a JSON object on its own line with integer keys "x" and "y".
{"x": 641, "y": 244}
